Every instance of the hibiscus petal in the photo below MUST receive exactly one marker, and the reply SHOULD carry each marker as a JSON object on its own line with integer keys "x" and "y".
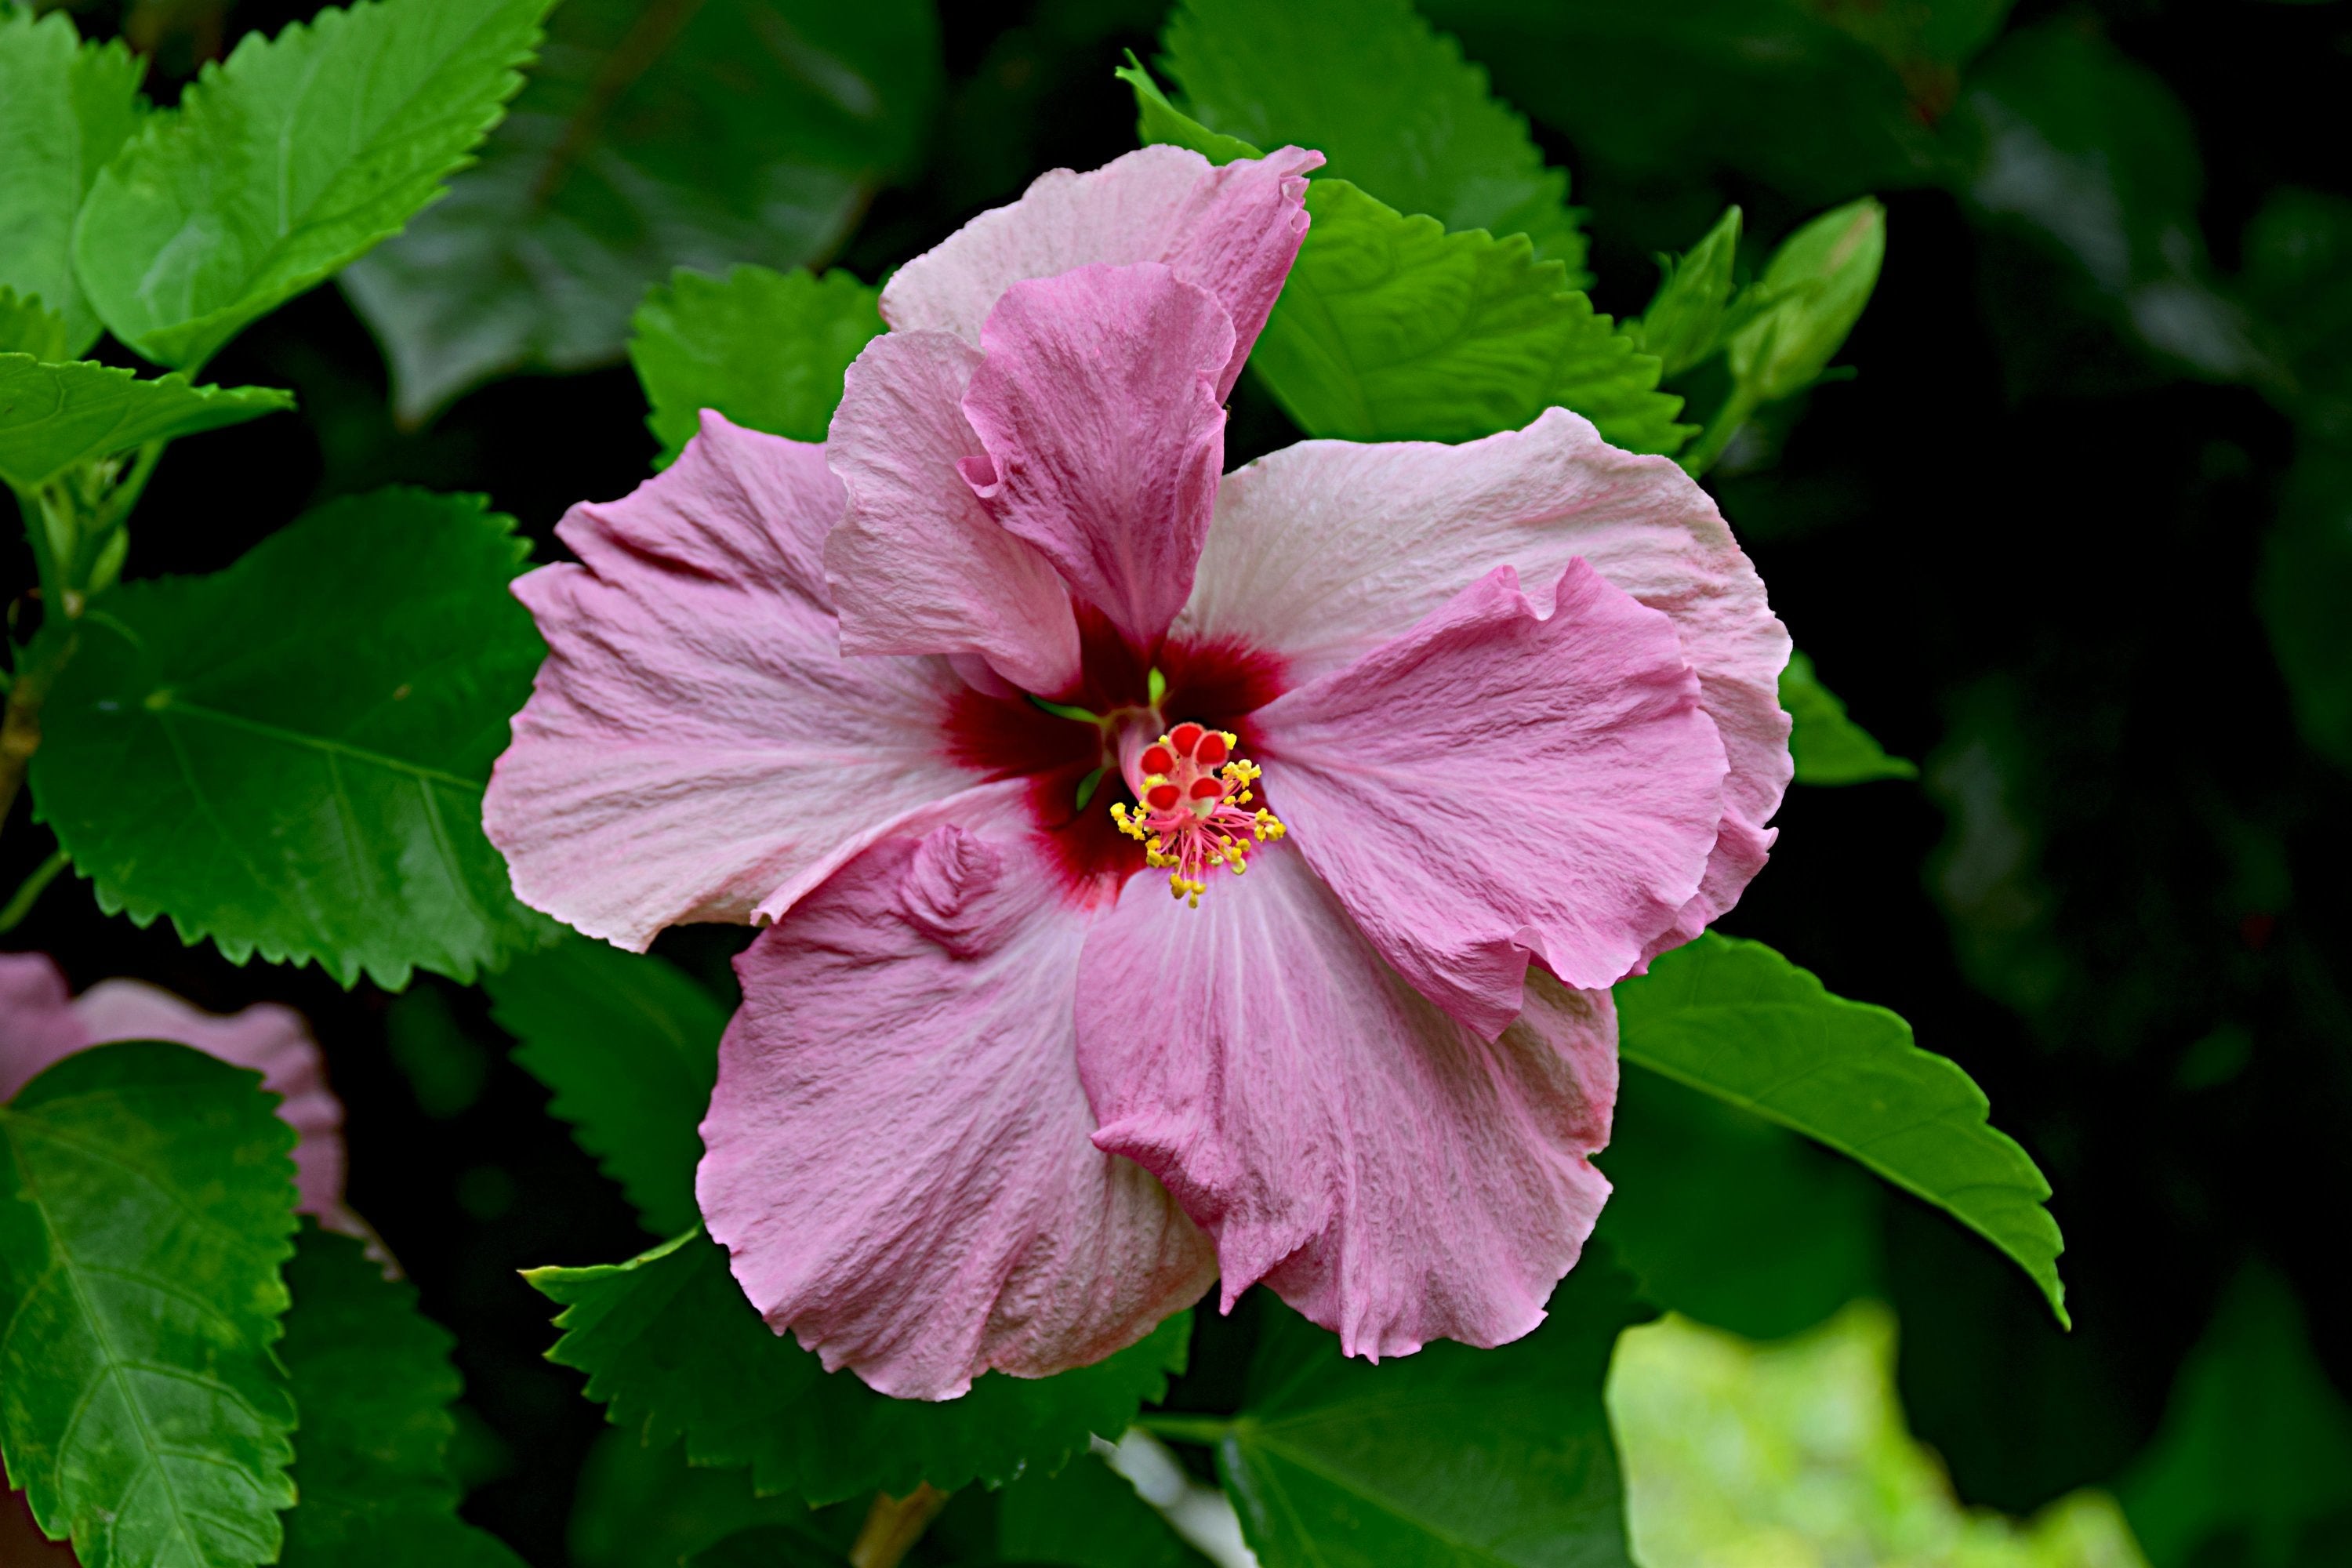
{"x": 696, "y": 748}
{"x": 38, "y": 1026}
{"x": 1326, "y": 548}
{"x": 1233, "y": 230}
{"x": 918, "y": 563}
{"x": 272, "y": 1040}
{"x": 1098, "y": 406}
{"x": 1497, "y": 785}
{"x": 899, "y": 1156}
{"x": 1393, "y": 1175}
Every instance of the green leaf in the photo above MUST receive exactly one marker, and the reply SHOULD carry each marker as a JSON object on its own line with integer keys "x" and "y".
{"x": 650, "y": 137}
{"x": 146, "y": 1203}
{"x": 630, "y": 1045}
{"x": 2256, "y": 1443}
{"x": 1818, "y": 282}
{"x": 289, "y": 160}
{"x": 766, "y": 349}
{"x": 1690, "y": 313}
{"x": 66, "y": 107}
{"x": 1087, "y": 1516}
{"x": 1828, "y": 747}
{"x": 29, "y": 327}
{"x": 54, "y": 416}
{"x": 372, "y": 1380}
{"x": 1731, "y": 1220}
{"x": 289, "y": 756}
{"x": 1742, "y": 1022}
{"x": 1387, "y": 98}
{"x": 670, "y": 1343}
{"x": 1390, "y": 329}
{"x": 637, "y": 1507}
{"x": 1451, "y": 1455}
{"x": 767, "y": 1546}
{"x": 1157, "y": 120}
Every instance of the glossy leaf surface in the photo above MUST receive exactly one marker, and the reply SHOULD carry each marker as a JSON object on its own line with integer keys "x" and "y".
{"x": 289, "y": 160}
{"x": 289, "y": 756}
{"x": 53, "y": 416}
{"x": 146, "y": 1204}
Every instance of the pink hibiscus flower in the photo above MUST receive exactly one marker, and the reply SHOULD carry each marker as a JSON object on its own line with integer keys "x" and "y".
{"x": 1431, "y": 744}
{"x": 40, "y": 1025}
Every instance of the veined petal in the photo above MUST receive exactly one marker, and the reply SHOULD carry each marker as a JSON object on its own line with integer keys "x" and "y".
{"x": 899, "y": 1155}
{"x": 1233, "y": 230}
{"x": 917, "y": 564}
{"x": 1326, "y": 548}
{"x": 1503, "y": 781}
{"x": 695, "y": 747}
{"x": 1097, "y": 401}
{"x": 272, "y": 1040}
{"x": 1393, "y": 1175}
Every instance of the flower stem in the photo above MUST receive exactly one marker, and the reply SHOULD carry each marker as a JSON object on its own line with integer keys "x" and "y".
{"x": 30, "y": 890}
{"x": 893, "y": 1525}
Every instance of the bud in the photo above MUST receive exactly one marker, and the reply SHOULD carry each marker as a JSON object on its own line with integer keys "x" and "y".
{"x": 1685, "y": 319}
{"x": 1817, "y": 282}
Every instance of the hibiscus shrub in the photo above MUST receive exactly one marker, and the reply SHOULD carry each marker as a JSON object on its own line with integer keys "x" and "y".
{"x": 1101, "y": 837}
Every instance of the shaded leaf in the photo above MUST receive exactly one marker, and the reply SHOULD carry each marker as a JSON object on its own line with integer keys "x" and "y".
{"x": 1690, "y": 314}
{"x": 651, "y": 137}
{"x": 1726, "y": 1218}
{"x": 66, "y": 107}
{"x": 1828, "y": 747}
{"x": 372, "y": 1380}
{"x": 1451, "y": 1455}
{"x": 1388, "y": 101}
{"x": 671, "y": 1345}
{"x": 146, "y": 1203}
{"x": 1087, "y": 1516}
{"x": 2256, "y": 1445}
{"x": 29, "y": 327}
{"x": 2303, "y": 584}
{"x": 1736, "y": 1019}
{"x": 767, "y": 1546}
{"x": 637, "y": 1507}
{"x": 288, "y": 161}
{"x": 289, "y": 756}
{"x": 630, "y": 1046}
{"x": 766, "y": 349}
{"x": 53, "y": 416}
{"x": 1391, "y": 329}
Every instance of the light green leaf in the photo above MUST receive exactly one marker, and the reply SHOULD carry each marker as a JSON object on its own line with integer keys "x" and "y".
{"x": 1387, "y": 98}
{"x": 2256, "y": 1446}
{"x": 630, "y": 1045}
{"x": 768, "y": 349}
{"x": 29, "y": 327}
{"x": 1451, "y": 1457}
{"x": 289, "y": 756}
{"x": 670, "y": 1343}
{"x": 290, "y": 160}
{"x": 146, "y": 1202}
{"x": 66, "y": 107}
{"x": 1742, "y": 1022}
{"x": 1689, "y": 314}
{"x": 1157, "y": 120}
{"x": 372, "y": 1380}
{"x": 1828, "y": 747}
{"x": 1390, "y": 329}
{"x": 53, "y": 416}
{"x": 702, "y": 136}
{"x": 1818, "y": 282}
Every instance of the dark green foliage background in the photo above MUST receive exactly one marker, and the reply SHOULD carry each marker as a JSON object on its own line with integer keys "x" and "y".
{"x": 2022, "y": 545}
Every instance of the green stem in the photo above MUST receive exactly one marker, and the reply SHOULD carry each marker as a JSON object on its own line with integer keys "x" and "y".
{"x": 1719, "y": 431}
{"x": 1207, "y": 1430}
{"x": 29, "y": 892}
{"x": 893, "y": 1525}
